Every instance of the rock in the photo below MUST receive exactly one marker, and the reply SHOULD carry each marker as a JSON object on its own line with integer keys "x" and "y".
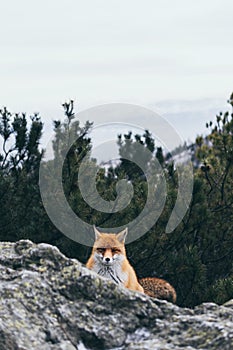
{"x": 51, "y": 302}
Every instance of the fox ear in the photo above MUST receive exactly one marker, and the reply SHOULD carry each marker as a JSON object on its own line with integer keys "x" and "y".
{"x": 97, "y": 233}
{"x": 121, "y": 236}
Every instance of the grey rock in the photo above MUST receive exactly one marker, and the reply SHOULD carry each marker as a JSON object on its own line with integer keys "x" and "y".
{"x": 48, "y": 301}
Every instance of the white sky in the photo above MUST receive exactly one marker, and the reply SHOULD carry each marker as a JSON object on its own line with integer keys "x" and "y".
{"x": 113, "y": 51}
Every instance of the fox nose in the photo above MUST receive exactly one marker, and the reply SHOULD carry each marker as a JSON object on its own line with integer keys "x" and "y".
{"x": 107, "y": 260}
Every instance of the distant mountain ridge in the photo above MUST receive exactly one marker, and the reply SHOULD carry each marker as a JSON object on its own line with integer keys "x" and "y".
{"x": 189, "y": 117}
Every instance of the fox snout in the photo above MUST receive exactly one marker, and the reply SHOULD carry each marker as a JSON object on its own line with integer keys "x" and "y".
{"x": 107, "y": 257}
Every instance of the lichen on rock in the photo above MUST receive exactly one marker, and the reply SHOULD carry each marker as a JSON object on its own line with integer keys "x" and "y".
{"x": 51, "y": 302}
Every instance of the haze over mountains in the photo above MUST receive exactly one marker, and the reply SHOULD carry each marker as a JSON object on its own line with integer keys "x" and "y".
{"x": 187, "y": 117}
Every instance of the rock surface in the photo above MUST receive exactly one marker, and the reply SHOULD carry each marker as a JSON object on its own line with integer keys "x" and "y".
{"x": 51, "y": 302}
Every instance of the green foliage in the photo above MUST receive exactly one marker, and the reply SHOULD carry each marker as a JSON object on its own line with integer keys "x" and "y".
{"x": 221, "y": 291}
{"x": 196, "y": 257}
{"x": 19, "y": 163}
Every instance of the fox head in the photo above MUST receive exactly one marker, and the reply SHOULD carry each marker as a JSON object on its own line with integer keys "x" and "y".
{"x": 109, "y": 248}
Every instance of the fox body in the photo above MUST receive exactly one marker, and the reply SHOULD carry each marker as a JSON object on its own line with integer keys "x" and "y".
{"x": 158, "y": 288}
{"x": 108, "y": 259}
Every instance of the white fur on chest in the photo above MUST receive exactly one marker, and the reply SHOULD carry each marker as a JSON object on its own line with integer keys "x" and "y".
{"x": 113, "y": 272}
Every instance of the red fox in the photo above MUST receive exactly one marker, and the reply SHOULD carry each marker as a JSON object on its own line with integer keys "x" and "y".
{"x": 158, "y": 288}
{"x": 109, "y": 259}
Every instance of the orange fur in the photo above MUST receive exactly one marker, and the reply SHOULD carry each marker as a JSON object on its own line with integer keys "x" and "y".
{"x": 112, "y": 246}
{"x": 158, "y": 288}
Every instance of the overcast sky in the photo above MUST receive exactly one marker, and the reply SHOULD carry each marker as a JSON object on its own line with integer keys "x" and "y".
{"x": 105, "y": 51}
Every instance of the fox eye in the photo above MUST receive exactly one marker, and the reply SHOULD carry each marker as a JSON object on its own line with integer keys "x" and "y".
{"x": 115, "y": 250}
{"x": 100, "y": 250}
